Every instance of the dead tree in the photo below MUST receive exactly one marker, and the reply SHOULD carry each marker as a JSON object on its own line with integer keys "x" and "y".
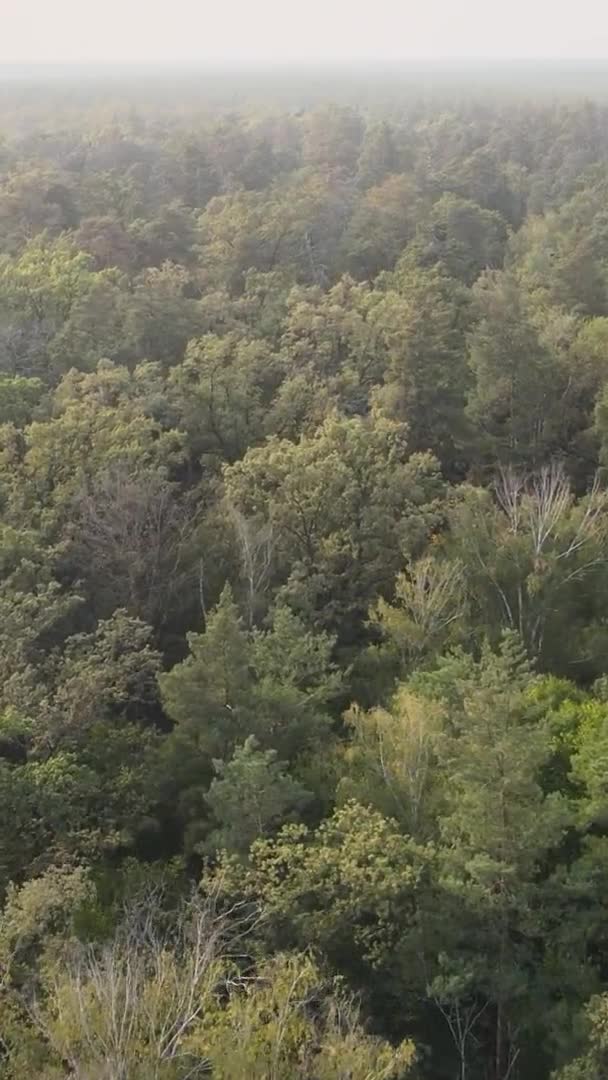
{"x": 256, "y": 545}
{"x": 135, "y": 534}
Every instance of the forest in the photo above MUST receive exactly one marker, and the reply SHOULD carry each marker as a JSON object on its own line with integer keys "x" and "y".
{"x": 303, "y": 585}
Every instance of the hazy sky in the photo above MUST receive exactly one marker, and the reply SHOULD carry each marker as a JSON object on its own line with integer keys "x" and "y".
{"x": 53, "y": 31}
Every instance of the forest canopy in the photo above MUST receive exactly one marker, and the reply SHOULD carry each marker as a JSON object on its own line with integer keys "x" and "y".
{"x": 303, "y": 584}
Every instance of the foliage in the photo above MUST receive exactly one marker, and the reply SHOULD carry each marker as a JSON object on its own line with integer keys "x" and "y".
{"x": 303, "y": 581}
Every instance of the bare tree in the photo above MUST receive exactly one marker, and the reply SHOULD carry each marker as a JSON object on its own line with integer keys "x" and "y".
{"x": 538, "y": 504}
{"x": 462, "y": 1017}
{"x": 135, "y": 534}
{"x": 177, "y": 996}
{"x": 431, "y": 592}
{"x": 256, "y": 545}
{"x": 429, "y": 598}
{"x": 538, "y": 540}
{"x": 125, "y": 1010}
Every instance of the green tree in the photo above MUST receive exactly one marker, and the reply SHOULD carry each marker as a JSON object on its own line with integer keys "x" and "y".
{"x": 161, "y": 315}
{"x": 498, "y": 827}
{"x": 428, "y": 610}
{"x": 209, "y": 692}
{"x": 41, "y": 291}
{"x": 461, "y": 237}
{"x": 379, "y": 155}
{"x": 222, "y": 392}
{"x": 593, "y": 1062}
{"x": 520, "y": 388}
{"x": 100, "y": 425}
{"x": 251, "y": 796}
{"x": 270, "y": 1033}
{"x": 381, "y": 226}
{"x": 332, "y": 137}
{"x": 35, "y": 198}
{"x": 19, "y": 397}
{"x": 392, "y": 760}
{"x": 421, "y": 318}
{"x": 346, "y": 505}
{"x": 333, "y": 337}
{"x": 354, "y": 889}
{"x": 275, "y": 685}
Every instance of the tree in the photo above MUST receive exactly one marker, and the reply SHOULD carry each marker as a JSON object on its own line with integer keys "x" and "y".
{"x": 269, "y": 1031}
{"x": 521, "y": 390}
{"x": 461, "y": 238}
{"x": 35, "y": 198}
{"x": 222, "y": 392}
{"x": 532, "y": 551}
{"x": 428, "y": 607}
{"x": 157, "y": 980}
{"x": 560, "y": 255}
{"x": 106, "y": 240}
{"x": 185, "y": 1007}
{"x": 76, "y": 749}
{"x": 334, "y": 335}
{"x": 589, "y": 746}
{"x": 256, "y": 548}
{"x": 108, "y": 675}
{"x": 273, "y": 684}
{"x": 381, "y": 226}
{"x": 160, "y": 314}
{"x": 73, "y": 807}
{"x": 353, "y": 889}
{"x": 392, "y": 759}
{"x": 19, "y": 397}
{"x": 422, "y": 321}
{"x": 209, "y": 692}
{"x": 100, "y": 426}
{"x": 251, "y": 796}
{"x": 44, "y": 295}
{"x": 498, "y": 827}
{"x": 134, "y": 542}
{"x": 592, "y": 1063}
{"x": 32, "y": 621}
{"x": 346, "y": 504}
{"x": 332, "y": 137}
{"x": 378, "y": 156}
{"x": 169, "y": 237}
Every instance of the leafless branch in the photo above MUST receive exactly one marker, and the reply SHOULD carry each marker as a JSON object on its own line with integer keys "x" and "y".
{"x": 256, "y": 544}
{"x": 135, "y": 531}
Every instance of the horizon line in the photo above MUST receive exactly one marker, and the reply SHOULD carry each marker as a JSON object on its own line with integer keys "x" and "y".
{"x": 291, "y": 61}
